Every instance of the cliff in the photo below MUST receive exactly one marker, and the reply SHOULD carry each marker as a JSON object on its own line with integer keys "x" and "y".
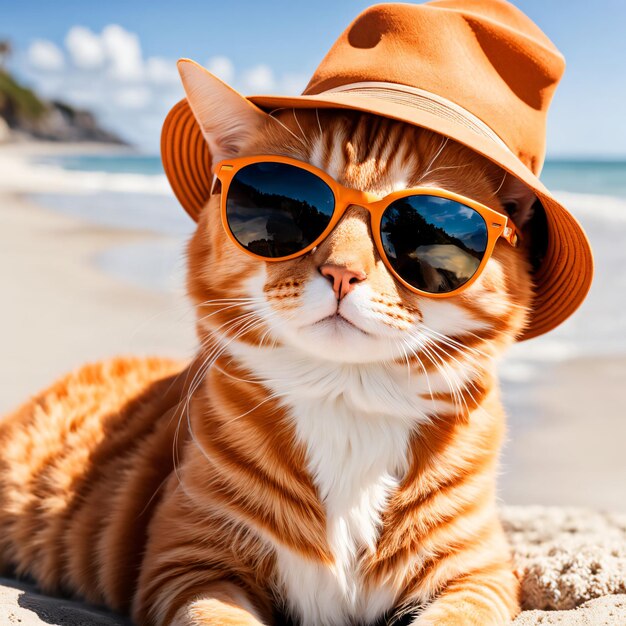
{"x": 23, "y": 115}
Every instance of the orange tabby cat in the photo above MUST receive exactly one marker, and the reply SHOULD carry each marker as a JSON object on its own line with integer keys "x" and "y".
{"x": 333, "y": 472}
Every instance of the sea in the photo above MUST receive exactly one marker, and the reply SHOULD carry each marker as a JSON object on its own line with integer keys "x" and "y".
{"x": 131, "y": 191}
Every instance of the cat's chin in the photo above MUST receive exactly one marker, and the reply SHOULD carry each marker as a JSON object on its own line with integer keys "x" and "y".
{"x": 338, "y": 339}
{"x": 337, "y": 323}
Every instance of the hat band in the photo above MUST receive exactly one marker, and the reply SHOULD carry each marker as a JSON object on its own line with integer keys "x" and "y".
{"x": 420, "y": 99}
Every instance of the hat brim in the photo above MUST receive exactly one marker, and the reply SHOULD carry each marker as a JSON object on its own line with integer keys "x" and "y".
{"x": 564, "y": 276}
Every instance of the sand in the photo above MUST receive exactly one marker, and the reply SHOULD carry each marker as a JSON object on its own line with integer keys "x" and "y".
{"x": 570, "y": 451}
{"x": 20, "y": 603}
{"x": 60, "y": 310}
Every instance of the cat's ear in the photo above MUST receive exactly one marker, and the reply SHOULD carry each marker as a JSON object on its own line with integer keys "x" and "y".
{"x": 517, "y": 200}
{"x": 226, "y": 118}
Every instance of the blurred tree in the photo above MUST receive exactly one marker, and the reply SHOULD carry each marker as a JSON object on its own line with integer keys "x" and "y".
{"x": 5, "y": 52}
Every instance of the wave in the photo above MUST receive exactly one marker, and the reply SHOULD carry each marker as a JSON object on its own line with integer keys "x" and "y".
{"x": 594, "y": 206}
{"x": 22, "y": 175}
{"x": 89, "y": 182}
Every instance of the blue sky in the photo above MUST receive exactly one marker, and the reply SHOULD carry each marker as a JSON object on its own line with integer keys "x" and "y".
{"x": 117, "y": 57}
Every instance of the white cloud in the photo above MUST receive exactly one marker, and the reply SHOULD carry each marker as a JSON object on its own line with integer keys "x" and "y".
{"x": 133, "y": 97}
{"x": 258, "y": 78}
{"x": 115, "y": 47}
{"x": 46, "y": 56}
{"x": 292, "y": 84}
{"x": 222, "y": 67}
{"x": 85, "y": 47}
{"x": 130, "y": 95}
{"x": 123, "y": 52}
{"x": 161, "y": 71}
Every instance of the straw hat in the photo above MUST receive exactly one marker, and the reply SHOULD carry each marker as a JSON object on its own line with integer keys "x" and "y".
{"x": 477, "y": 71}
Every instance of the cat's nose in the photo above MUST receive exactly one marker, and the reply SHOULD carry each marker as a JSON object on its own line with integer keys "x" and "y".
{"x": 342, "y": 278}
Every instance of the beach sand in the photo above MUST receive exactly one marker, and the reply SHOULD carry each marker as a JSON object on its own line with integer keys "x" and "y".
{"x": 59, "y": 310}
{"x": 570, "y": 451}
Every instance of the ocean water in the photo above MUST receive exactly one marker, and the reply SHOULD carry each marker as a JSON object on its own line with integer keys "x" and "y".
{"x": 606, "y": 177}
{"x": 594, "y": 191}
{"x": 146, "y": 164}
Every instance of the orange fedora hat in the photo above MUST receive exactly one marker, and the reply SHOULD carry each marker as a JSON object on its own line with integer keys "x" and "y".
{"x": 477, "y": 71}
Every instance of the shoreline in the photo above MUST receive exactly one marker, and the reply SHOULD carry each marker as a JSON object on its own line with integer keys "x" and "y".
{"x": 20, "y": 172}
{"x": 60, "y": 286}
{"x": 51, "y": 279}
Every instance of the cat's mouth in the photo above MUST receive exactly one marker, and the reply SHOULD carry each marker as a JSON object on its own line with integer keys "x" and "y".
{"x": 339, "y": 321}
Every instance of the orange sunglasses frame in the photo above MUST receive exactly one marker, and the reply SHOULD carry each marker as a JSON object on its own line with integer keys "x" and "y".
{"x": 498, "y": 225}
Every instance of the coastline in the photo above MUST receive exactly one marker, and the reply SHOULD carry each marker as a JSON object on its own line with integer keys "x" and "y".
{"x": 51, "y": 281}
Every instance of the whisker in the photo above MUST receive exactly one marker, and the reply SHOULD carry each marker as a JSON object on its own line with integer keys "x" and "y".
{"x": 225, "y": 308}
{"x": 319, "y": 125}
{"x": 416, "y": 355}
{"x": 446, "y": 167}
{"x": 500, "y": 187}
{"x": 222, "y": 300}
{"x": 440, "y": 367}
{"x": 408, "y": 366}
{"x": 195, "y": 383}
{"x": 431, "y": 331}
{"x": 285, "y": 127}
{"x": 295, "y": 117}
{"x": 444, "y": 143}
{"x": 465, "y": 385}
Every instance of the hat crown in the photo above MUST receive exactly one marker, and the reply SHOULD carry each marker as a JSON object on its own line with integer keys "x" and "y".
{"x": 485, "y": 56}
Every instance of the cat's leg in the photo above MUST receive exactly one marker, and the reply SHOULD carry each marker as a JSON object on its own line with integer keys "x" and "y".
{"x": 200, "y": 569}
{"x": 488, "y": 596}
{"x": 222, "y": 604}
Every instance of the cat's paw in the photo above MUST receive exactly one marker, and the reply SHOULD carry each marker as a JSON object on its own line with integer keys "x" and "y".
{"x": 457, "y": 616}
{"x": 213, "y": 612}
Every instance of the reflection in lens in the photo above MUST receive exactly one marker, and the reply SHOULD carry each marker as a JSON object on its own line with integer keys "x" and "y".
{"x": 277, "y": 209}
{"x": 433, "y": 243}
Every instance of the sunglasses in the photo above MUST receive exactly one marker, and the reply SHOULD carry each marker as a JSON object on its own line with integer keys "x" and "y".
{"x": 434, "y": 242}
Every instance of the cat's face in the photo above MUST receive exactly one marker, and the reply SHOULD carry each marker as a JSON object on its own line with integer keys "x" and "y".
{"x": 379, "y": 318}
{"x": 293, "y": 302}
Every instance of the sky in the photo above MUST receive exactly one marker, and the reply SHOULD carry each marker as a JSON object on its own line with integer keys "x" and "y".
{"x": 117, "y": 57}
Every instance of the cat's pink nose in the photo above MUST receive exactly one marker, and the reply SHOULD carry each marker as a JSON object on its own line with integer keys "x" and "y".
{"x": 343, "y": 278}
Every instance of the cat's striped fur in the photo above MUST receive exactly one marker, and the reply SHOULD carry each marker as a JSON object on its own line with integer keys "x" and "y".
{"x": 337, "y": 474}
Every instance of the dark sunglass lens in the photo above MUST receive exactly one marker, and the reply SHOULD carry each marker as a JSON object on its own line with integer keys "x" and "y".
{"x": 433, "y": 243}
{"x": 277, "y": 209}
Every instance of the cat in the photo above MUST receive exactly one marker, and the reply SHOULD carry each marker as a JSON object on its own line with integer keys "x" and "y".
{"x": 330, "y": 472}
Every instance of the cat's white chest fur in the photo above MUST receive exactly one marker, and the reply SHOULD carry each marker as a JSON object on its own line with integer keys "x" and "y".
{"x": 355, "y": 462}
{"x": 356, "y": 454}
